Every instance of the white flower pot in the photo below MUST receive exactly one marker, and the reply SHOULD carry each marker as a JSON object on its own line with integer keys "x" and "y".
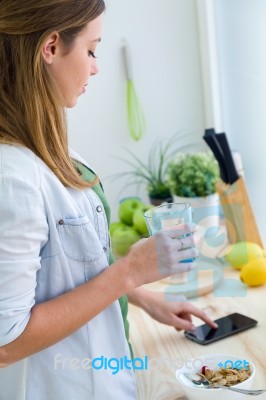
{"x": 205, "y": 210}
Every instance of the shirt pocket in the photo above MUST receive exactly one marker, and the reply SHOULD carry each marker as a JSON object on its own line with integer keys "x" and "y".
{"x": 79, "y": 239}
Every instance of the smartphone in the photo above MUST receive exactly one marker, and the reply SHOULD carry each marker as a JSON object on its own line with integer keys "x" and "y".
{"x": 227, "y": 326}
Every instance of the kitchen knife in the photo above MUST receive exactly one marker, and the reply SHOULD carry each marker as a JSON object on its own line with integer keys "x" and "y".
{"x": 228, "y": 158}
{"x": 209, "y": 132}
{"x": 211, "y": 140}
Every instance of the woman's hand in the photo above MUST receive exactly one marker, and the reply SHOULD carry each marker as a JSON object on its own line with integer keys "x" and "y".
{"x": 160, "y": 256}
{"x": 174, "y": 313}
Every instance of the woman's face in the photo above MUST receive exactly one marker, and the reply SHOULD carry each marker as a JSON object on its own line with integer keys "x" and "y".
{"x": 72, "y": 70}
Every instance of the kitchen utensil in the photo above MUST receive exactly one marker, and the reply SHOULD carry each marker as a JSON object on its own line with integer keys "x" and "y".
{"x": 136, "y": 118}
{"x": 201, "y": 381}
{"x": 239, "y": 216}
{"x": 213, "y": 143}
{"x": 218, "y": 143}
{"x": 229, "y": 161}
{"x": 209, "y": 132}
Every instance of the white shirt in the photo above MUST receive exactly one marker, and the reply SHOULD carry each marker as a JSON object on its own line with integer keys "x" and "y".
{"x": 53, "y": 239}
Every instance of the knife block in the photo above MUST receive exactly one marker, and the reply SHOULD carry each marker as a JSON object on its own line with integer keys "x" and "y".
{"x": 240, "y": 220}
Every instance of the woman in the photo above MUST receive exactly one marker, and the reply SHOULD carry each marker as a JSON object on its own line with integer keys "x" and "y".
{"x": 58, "y": 294}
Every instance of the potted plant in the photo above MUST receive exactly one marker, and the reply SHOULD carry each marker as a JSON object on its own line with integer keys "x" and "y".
{"x": 192, "y": 178}
{"x": 193, "y": 175}
{"x": 153, "y": 173}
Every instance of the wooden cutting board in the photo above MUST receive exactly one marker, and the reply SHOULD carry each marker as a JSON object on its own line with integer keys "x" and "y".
{"x": 209, "y": 275}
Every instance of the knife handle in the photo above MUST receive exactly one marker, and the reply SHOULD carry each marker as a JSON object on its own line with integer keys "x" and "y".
{"x": 231, "y": 168}
{"x": 214, "y": 146}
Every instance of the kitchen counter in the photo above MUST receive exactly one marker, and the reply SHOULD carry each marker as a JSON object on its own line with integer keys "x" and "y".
{"x": 167, "y": 349}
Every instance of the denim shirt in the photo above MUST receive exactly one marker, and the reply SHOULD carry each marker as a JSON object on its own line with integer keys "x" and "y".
{"x": 53, "y": 239}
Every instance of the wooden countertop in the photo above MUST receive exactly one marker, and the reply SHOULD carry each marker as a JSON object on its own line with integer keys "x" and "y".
{"x": 166, "y": 348}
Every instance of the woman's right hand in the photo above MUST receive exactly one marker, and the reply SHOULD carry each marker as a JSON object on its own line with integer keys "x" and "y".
{"x": 160, "y": 255}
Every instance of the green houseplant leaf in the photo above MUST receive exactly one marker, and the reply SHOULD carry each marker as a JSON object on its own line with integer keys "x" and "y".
{"x": 153, "y": 173}
{"x": 193, "y": 175}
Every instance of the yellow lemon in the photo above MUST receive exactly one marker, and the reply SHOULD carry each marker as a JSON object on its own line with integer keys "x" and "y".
{"x": 254, "y": 272}
{"x": 241, "y": 253}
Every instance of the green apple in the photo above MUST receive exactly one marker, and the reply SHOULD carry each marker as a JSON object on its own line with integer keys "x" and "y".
{"x": 123, "y": 238}
{"x": 115, "y": 225}
{"x": 139, "y": 221}
{"x": 127, "y": 208}
{"x": 241, "y": 253}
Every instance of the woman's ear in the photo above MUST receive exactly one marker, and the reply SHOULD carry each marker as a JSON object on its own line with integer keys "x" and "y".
{"x": 50, "y": 47}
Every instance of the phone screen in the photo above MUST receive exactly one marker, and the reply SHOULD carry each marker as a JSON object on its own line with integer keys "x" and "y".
{"x": 227, "y": 326}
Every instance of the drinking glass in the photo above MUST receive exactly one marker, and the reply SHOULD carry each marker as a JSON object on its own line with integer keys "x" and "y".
{"x": 166, "y": 217}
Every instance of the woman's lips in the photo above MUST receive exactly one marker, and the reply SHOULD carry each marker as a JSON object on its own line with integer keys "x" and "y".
{"x": 84, "y": 88}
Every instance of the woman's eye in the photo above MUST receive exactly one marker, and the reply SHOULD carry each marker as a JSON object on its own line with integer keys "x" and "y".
{"x": 92, "y": 54}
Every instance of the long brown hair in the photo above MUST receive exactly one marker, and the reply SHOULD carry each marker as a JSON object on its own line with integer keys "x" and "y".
{"x": 31, "y": 113}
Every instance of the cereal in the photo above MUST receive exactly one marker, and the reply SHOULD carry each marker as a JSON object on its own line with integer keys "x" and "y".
{"x": 226, "y": 376}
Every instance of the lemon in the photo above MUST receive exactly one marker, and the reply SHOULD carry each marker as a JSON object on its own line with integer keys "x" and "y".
{"x": 254, "y": 272}
{"x": 241, "y": 253}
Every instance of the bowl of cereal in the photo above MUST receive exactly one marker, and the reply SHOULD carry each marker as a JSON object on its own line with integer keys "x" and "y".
{"x": 219, "y": 369}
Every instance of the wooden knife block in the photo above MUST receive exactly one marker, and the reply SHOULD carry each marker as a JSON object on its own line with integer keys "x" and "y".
{"x": 240, "y": 221}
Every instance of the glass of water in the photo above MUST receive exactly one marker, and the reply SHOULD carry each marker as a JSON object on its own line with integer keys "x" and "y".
{"x": 168, "y": 216}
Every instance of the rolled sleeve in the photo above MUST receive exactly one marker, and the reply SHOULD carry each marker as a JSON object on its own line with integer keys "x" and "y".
{"x": 23, "y": 232}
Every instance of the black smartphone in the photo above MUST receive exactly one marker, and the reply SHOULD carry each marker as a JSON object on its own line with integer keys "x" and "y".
{"x": 227, "y": 326}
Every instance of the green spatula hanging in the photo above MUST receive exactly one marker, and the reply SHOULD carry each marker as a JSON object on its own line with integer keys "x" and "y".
{"x": 136, "y": 119}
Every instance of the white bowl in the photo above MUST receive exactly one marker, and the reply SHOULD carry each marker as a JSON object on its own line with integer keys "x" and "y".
{"x": 211, "y": 361}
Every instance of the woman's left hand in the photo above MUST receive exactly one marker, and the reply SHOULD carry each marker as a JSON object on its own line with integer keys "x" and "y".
{"x": 174, "y": 313}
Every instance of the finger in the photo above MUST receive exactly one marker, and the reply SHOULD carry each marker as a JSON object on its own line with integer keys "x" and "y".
{"x": 200, "y": 314}
{"x": 167, "y": 270}
{"x": 183, "y": 324}
{"x": 185, "y": 316}
{"x": 187, "y": 254}
{"x": 186, "y": 242}
{"x": 185, "y": 266}
{"x": 180, "y": 230}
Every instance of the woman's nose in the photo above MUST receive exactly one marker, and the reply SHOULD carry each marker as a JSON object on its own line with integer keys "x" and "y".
{"x": 94, "y": 68}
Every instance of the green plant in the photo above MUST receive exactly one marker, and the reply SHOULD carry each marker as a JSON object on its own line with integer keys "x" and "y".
{"x": 153, "y": 173}
{"x": 193, "y": 175}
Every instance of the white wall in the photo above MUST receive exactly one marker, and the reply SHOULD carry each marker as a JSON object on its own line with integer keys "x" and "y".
{"x": 163, "y": 36}
{"x": 241, "y": 29}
